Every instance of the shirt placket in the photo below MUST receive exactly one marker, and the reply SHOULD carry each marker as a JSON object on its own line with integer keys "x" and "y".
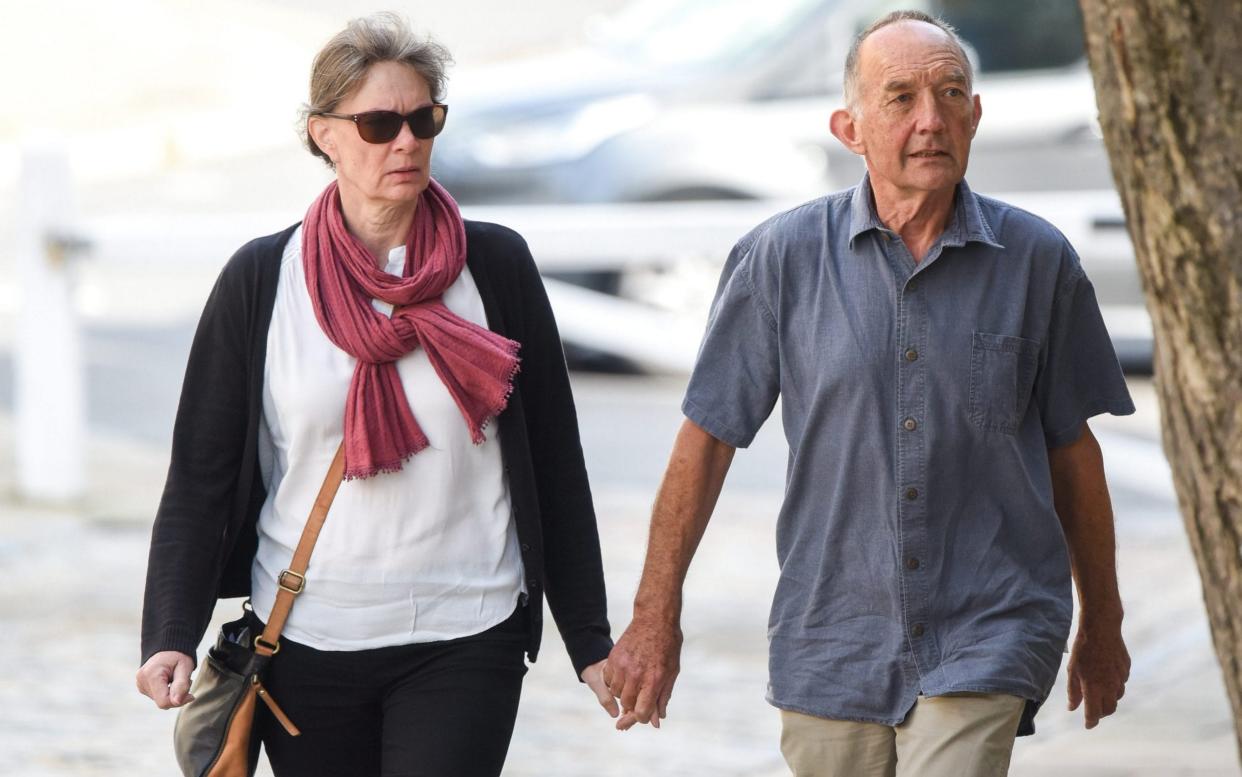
{"x": 912, "y": 383}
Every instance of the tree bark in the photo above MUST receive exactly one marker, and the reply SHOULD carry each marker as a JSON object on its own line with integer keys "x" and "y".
{"x": 1168, "y": 81}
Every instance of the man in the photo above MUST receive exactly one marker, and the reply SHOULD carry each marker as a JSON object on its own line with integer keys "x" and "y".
{"x": 938, "y": 355}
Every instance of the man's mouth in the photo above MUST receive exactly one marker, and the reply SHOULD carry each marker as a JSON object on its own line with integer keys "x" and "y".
{"x": 928, "y": 154}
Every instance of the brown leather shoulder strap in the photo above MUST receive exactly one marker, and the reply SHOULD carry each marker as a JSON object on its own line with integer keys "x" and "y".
{"x": 292, "y": 580}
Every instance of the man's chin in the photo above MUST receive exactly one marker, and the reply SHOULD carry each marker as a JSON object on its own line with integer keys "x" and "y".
{"x": 936, "y": 180}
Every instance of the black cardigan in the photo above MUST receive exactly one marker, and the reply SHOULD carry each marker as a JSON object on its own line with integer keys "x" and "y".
{"x": 205, "y": 534}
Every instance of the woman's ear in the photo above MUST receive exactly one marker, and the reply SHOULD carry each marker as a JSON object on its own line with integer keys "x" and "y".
{"x": 321, "y": 133}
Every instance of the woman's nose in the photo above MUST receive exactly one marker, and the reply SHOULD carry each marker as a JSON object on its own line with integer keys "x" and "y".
{"x": 405, "y": 138}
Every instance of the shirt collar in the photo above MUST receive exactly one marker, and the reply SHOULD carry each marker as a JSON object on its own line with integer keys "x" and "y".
{"x": 863, "y": 217}
{"x": 966, "y": 225}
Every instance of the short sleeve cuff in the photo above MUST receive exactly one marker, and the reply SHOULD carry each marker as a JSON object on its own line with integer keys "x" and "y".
{"x": 714, "y": 426}
{"x": 1068, "y": 433}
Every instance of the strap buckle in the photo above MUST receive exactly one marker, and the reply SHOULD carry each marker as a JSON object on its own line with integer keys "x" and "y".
{"x": 274, "y": 647}
{"x": 300, "y": 582}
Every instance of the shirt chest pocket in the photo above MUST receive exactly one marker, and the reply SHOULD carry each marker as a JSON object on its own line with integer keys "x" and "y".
{"x": 1002, "y": 372}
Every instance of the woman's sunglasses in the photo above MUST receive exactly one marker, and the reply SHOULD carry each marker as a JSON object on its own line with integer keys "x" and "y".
{"x": 383, "y": 126}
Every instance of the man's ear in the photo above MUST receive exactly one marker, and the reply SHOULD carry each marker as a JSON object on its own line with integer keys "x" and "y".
{"x": 845, "y": 128}
{"x": 975, "y": 116}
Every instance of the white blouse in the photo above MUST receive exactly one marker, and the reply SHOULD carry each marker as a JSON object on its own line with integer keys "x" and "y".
{"x": 424, "y": 554}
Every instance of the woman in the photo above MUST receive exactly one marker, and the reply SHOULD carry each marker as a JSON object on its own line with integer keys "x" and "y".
{"x": 404, "y": 653}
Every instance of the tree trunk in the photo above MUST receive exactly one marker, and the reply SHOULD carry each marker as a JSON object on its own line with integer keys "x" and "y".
{"x": 1168, "y": 81}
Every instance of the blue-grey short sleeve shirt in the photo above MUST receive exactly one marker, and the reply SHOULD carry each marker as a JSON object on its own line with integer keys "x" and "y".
{"x": 918, "y": 545}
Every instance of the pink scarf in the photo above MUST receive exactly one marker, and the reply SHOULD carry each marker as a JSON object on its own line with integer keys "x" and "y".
{"x": 476, "y": 365}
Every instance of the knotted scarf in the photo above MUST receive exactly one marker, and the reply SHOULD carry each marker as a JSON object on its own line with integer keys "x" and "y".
{"x": 477, "y": 366}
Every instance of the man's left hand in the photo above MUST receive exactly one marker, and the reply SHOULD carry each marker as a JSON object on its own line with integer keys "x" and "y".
{"x": 1098, "y": 669}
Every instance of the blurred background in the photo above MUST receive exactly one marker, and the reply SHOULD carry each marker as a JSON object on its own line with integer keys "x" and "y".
{"x": 631, "y": 142}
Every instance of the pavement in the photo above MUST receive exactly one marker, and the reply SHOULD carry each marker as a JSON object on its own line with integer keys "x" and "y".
{"x": 73, "y": 579}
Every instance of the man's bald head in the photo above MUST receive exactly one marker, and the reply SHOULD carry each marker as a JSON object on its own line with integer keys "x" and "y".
{"x": 853, "y": 86}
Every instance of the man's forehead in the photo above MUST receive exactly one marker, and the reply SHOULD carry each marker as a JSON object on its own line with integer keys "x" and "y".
{"x": 903, "y": 75}
{"x": 912, "y": 48}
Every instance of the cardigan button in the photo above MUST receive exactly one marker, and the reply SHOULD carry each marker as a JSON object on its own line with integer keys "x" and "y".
{"x": 525, "y": 547}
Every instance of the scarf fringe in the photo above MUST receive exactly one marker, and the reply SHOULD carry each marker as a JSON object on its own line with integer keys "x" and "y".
{"x": 358, "y": 473}
{"x": 477, "y": 437}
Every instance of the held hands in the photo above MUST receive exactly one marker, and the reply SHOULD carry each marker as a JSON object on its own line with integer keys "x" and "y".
{"x": 641, "y": 671}
{"x": 165, "y": 677}
{"x": 1098, "y": 669}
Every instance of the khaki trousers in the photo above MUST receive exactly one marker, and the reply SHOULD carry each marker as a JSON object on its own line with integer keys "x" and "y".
{"x": 961, "y": 735}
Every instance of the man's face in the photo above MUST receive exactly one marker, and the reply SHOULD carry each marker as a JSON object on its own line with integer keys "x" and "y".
{"x": 914, "y": 116}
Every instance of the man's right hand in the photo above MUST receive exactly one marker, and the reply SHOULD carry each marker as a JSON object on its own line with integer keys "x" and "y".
{"x": 644, "y": 663}
{"x": 642, "y": 668}
{"x": 165, "y": 677}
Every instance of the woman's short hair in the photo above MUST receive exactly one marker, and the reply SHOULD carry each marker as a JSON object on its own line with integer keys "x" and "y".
{"x": 342, "y": 64}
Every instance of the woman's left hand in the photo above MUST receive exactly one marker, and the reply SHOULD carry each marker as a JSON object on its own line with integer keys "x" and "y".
{"x": 593, "y": 676}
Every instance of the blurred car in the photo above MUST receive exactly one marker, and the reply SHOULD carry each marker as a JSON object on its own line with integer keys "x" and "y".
{"x": 730, "y": 99}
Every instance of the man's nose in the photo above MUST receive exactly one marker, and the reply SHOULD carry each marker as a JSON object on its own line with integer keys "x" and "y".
{"x": 929, "y": 114}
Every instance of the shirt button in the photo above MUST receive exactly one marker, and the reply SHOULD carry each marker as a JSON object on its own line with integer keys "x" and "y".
{"x": 911, "y": 355}
{"x": 912, "y": 563}
{"x": 917, "y": 630}
{"x": 912, "y": 494}
{"x": 910, "y": 424}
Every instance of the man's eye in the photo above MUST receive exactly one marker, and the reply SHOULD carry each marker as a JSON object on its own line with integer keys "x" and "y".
{"x": 954, "y": 92}
{"x": 902, "y": 98}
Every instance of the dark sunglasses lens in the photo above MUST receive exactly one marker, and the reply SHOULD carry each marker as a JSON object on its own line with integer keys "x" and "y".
{"x": 427, "y": 122}
{"x": 379, "y": 126}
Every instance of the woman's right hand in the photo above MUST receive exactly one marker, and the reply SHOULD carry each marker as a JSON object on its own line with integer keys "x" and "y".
{"x": 165, "y": 677}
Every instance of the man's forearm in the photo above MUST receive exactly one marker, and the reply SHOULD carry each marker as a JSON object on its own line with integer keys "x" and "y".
{"x": 683, "y": 506}
{"x": 1080, "y": 493}
{"x": 1099, "y": 663}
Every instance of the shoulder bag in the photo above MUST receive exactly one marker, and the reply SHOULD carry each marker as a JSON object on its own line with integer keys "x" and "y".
{"x": 212, "y": 736}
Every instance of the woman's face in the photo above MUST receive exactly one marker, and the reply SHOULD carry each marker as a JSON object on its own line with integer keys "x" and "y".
{"x": 383, "y": 173}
